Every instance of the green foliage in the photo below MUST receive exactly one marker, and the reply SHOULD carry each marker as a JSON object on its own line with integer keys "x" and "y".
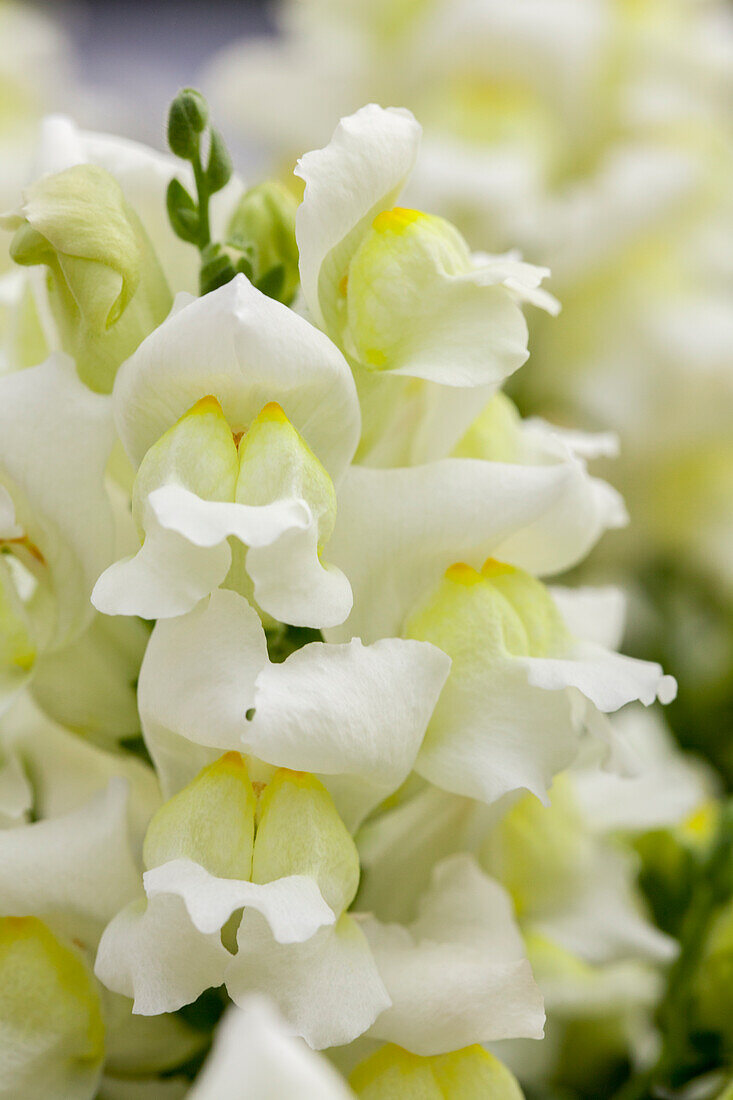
{"x": 261, "y": 237}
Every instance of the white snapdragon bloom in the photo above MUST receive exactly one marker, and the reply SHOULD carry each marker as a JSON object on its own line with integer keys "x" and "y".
{"x": 522, "y": 686}
{"x": 398, "y": 290}
{"x": 301, "y": 713}
{"x": 294, "y": 871}
{"x": 271, "y": 416}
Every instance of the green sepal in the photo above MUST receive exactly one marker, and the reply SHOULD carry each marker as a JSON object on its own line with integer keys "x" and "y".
{"x": 182, "y": 212}
{"x": 219, "y": 164}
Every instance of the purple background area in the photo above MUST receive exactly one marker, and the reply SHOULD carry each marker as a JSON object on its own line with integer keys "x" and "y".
{"x": 133, "y": 55}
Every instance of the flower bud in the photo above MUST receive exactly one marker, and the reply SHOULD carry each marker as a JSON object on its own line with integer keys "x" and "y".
{"x": 264, "y": 222}
{"x": 106, "y": 287}
{"x": 187, "y": 118}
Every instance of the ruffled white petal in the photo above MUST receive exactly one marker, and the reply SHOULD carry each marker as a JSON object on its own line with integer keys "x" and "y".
{"x": 166, "y": 577}
{"x": 353, "y": 714}
{"x": 152, "y": 953}
{"x": 328, "y": 989}
{"x": 292, "y": 584}
{"x": 292, "y": 906}
{"x": 609, "y": 680}
{"x": 458, "y": 975}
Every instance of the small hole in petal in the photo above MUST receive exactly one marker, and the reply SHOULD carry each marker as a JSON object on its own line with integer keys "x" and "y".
{"x": 249, "y": 714}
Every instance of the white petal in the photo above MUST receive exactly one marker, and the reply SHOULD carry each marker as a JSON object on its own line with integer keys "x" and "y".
{"x": 398, "y": 530}
{"x": 360, "y": 172}
{"x": 604, "y": 921}
{"x": 292, "y": 906}
{"x": 206, "y": 523}
{"x": 354, "y": 714}
{"x": 458, "y": 974}
{"x": 167, "y": 577}
{"x": 247, "y": 350}
{"x": 68, "y": 771}
{"x": 153, "y": 954}
{"x": 669, "y": 785}
{"x": 328, "y": 988}
{"x": 58, "y": 486}
{"x": 199, "y": 671}
{"x": 292, "y": 584}
{"x": 254, "y": 1055}
{"x": 593, "y": 614}
{"x": 609, "y": 680}
{"x": 76, "y": 870}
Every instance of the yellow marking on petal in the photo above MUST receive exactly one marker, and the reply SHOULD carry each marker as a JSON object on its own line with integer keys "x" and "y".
{"x": 19, "y": 924}
{"x": 25, "y": 660}
{"x": 208, "y": 404}
{"x": 396, "y": 220}
{"x": 229, "y": 760}
{"x": 461, "y": 573}
{"x": 26, "y": 543}
{"x": 494, "y": 568}
{"x": 273, "y": 411}
{"x": 344, "y": 284}
{"x": 375, "y": 356}
{"x": 701, "y": 823}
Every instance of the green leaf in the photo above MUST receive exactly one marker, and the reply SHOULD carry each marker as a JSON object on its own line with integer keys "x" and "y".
{"x": 182, "y": 212}
{"x": 219, "y": 165}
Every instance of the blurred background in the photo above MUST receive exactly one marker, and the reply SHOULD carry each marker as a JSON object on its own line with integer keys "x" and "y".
{"x": 592, "y": 135}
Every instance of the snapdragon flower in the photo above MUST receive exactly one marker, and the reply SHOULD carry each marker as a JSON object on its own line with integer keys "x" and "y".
{"x": 312, "y": 783}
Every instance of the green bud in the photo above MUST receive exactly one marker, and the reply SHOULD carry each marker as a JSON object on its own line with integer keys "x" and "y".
{"x": 106, "y": 287}
{"x": 182, "y": 212}
{"x": 264, "y": 225}
{"x": 187, "y": 118}
{"x": 219, "y": 164}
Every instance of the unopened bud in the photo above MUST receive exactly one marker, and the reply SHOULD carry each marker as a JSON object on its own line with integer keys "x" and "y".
{"x": 107, "y": 290}
{"x": 187, "y": 118}
{"x": 264, "y": 225}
